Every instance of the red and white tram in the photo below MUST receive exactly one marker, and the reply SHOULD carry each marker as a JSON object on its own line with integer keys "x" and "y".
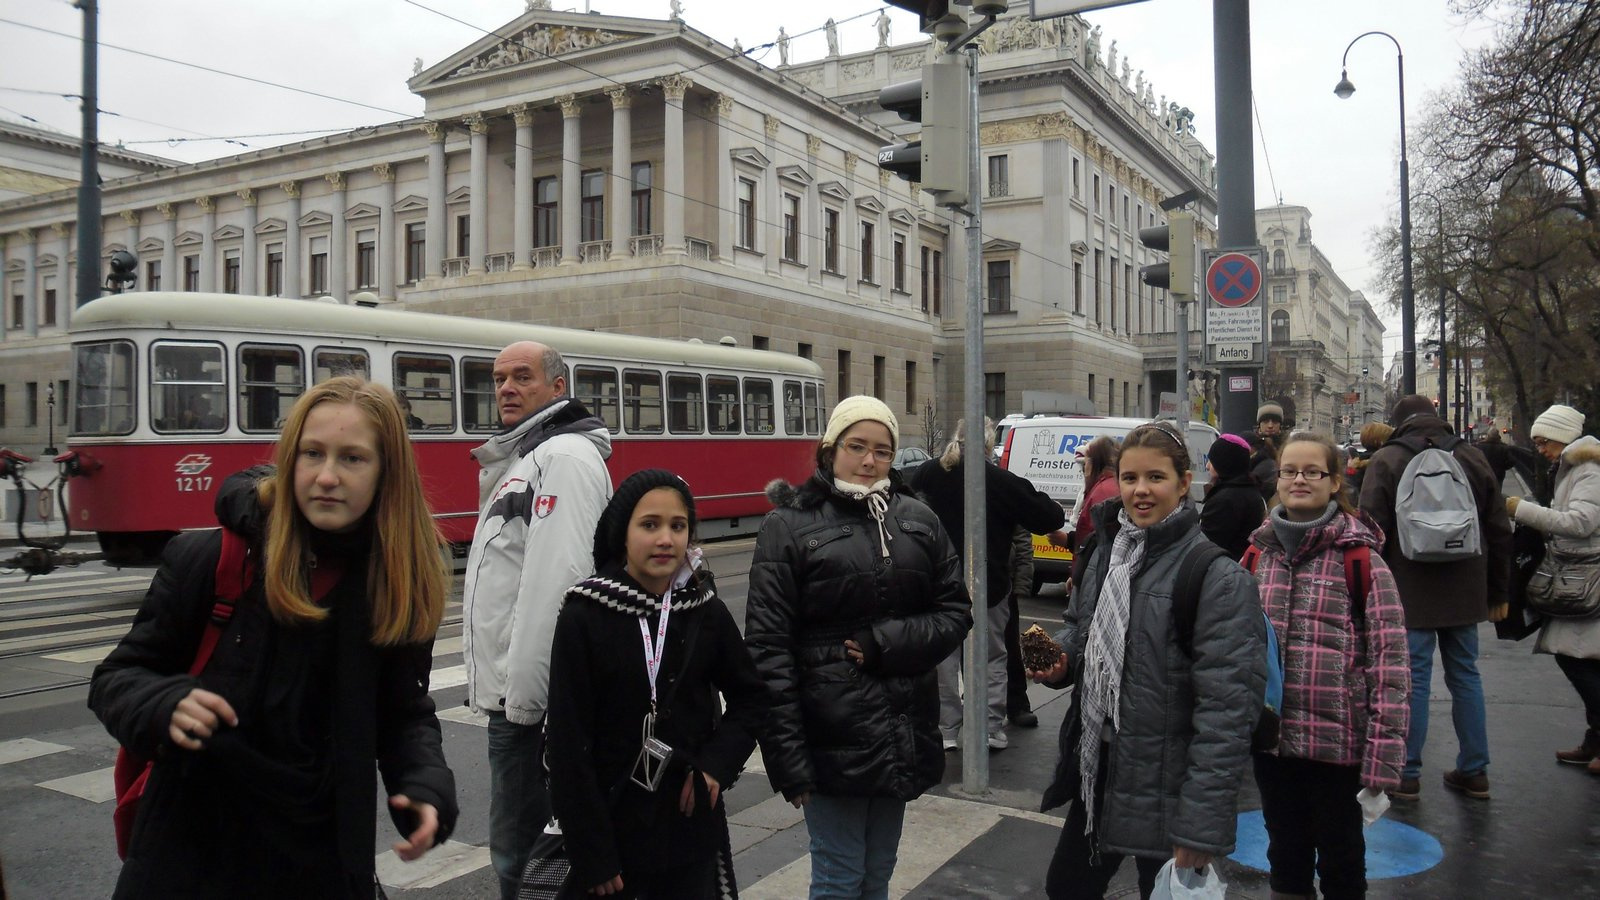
{"x": 174, "y": 391}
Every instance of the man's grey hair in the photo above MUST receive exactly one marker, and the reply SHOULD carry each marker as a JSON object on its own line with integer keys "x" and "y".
{"x": 554, "y": 366}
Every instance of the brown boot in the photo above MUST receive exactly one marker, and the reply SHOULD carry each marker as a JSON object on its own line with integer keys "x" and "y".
{"x": 1584, "y": 753}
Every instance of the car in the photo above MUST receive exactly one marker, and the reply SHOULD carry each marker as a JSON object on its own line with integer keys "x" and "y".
{"x": 906, "y": 460}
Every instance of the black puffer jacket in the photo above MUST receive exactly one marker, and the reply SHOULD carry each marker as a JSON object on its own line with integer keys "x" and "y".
{"x": 1232, "y": 512}
{"x": 818, "y": 578}
{"x": 1013, "y": 502}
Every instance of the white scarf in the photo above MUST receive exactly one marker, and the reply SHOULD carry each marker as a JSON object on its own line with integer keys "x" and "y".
{"x": 877, "y": 499}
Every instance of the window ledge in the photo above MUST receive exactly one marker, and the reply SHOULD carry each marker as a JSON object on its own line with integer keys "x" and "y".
{"x": 867, "y": 282}
{"x": 1001, "y": 312}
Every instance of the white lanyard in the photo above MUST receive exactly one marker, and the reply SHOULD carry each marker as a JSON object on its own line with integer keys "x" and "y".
{"x": 653, "y": 652}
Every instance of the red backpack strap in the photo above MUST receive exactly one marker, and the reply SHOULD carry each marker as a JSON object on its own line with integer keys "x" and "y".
{"x": 1252, "y": 555}
{"x": 235, "y": 570}
{"x": 1357, "y": 574}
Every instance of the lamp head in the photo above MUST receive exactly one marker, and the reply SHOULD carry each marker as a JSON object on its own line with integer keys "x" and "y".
{"x": 1344, "y": 88}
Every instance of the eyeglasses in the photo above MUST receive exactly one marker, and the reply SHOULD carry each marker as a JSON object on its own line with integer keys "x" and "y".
{"x": 856, "y": 448}
{"x": 1307, "y": 474}
{"x": 1540, "y": 442}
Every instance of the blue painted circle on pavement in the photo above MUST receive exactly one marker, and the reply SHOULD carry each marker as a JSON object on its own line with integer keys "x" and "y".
{"x": 1394, "y": 849}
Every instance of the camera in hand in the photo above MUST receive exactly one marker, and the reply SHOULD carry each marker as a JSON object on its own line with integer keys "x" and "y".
{"x": 654, "y": 757}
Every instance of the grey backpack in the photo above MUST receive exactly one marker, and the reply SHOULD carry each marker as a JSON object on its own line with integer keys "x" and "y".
{"x": 1435, "y": 512}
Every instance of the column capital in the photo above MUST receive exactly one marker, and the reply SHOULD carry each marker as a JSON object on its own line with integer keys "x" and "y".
{"x": 24, "y": 234}
{"x": 335, "y": 180}
{"x": 571, "y": 108}
{"x": 621, "y": 98}
{"x": 813, "y": 145}
{"x": 723, "y": 104}
{"x": 61, "y": 229}
{"x": 434, "y": 130}
{"x": 520, "y": 114}
{"x": 131, "y": 216}
{"x": 773, "y": 123}
{"x": 166, "y": 210}
{"x": 384, "y": 171}
{"x": 850, "y": 164}
{"x": 883, "y": 179}
{"x": 675, "y": 86}
{"x": 248, "y": 195}
{"x": 205, "y": 203}
{"x": 477, "y": 123}
{"x": 291, "y": 189}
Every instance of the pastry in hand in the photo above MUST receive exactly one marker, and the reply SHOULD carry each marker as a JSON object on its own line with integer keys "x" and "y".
{"x": 1039, "y": 652}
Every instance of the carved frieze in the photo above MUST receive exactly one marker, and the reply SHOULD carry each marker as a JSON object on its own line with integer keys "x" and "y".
{"x": 539, "y": 42}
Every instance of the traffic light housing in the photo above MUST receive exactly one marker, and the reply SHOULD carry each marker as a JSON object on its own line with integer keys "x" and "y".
{"x": 940, "y": 100}
{"x": 1176, "y": 238}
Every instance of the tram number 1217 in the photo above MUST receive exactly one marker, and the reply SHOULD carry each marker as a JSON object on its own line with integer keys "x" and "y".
{"x": 188, "y": 484}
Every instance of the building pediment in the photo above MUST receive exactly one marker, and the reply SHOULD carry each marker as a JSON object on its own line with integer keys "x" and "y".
{"x": 750, "y": 156}
{"x": 537, "y": 37}
{"x": 315, "y": 218}
{"x": 227, "y": 233}
{"x": 47, "y": 260}
{"x": 459, "y": 195}
{"x": 188, "y": 239}
{"x": 361, "y": 211}
{"x": 411, "y": 203}
{"x": 1000, "y": 245}
{"x": 870, "y": 205}
{"x": 15, "y": 265}
{"x": 151, "y": 245}
{"x": 271, "y": 226}
{"x": 796, "y": 174}
{"x": 902, "y": 216}
{"x": 835, "y": 190}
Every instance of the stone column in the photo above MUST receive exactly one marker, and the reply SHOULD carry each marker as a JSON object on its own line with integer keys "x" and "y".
{"x": 387, "y": 238}
{"x": 571, "y": 176}
{"x": 338, "y": 282}
{"x": 478, "y": 203}
{"x": 621, "y": 171}
{"x": 293, "y": 284}
{"x": 813, "y": 242}
{"x": 208, "y": 244}
{"x": 30, "y": 276}
{"x": 727, "y": 211}
{"x": 171, "y": 278}
{"x": 247, "y": 248}
{"x": 850, "y": 230}
{"x": 673, "y": 87}
{"x": 130, "y": 218}
{"x": 436, "y": 226}
{"x": 522, "y": 203}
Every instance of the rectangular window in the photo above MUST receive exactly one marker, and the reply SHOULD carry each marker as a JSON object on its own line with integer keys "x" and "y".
{"x": 546, "y": 212}
{"x": 869, "y": 251}
{"x": 1111, "y": 292}
{"x": 1077, "y": 190}
{"x": 47, "y": 309}
{"x": 191, "y": 273}
{"x": 642, "y": 182}
{"x": 1111, "y": 396}
{"x": 879, "y": 377}
{"x": 794, "y": 411}
{"x": 330, "y": 363}
{"x": 938, "y": 282}
{"x": 366, "y": 260}
{"x": 479, "y": 412}
{"x": 30, "y": 399}
{"x": 416, "y": 250}
{"x": 595, "y": 387}
{"x": 999, "y": 286}
{"x": 685, "y": 404}
{"x": 319, "y": 274}
{"x": 791, "y": 227}
{"x": 425, "y": 386}
{"x": 814, "y": 401}
{"x": 999, "y": 176}
{"x": 187, "y": 390}
{"x": 804, "y": 350}
{"x": 1280, "y": 294}
{"x": 275, "y": 271}
{"x": 463, "y": 235}
{"x": 1092, "y": 401}
{"x": 17, "y": 304}
{"x": 1126, "y": 409}
{"x": 830, "y": 241}
{"x": 911, "y": 386}
{"x": 722, "y": 404}
{"x": 899, "y": 281}
{"x": 103, "y": 374}
{"x": 230, "y": 272}
{"x": 1127, "y": 296}
{"x": 924, "y": 275}
{"x": 1099, "y": 265}
{"x": 747, "y": 214}
{"x": 1124, "y": 211}
{"x": 592, "y": 210}
{"x": 1094, "y": 195}
{"x": 63, "y": 396}
{"x": 994, "y": 395}
{"x": 271, "y": 378}
{"x": 760, "y": 342}
{"x": 844, "y": 374}
{"x": 1077, "y": 287}
{"x": 759, "y": 407}
{"x": 641, "y": 401}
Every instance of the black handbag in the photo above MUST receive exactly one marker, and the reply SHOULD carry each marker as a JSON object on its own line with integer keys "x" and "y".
{"x": 1565, "y": 586}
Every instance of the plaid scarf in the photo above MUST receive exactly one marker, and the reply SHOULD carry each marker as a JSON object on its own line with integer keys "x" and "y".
{"x": 1101, "y": 682}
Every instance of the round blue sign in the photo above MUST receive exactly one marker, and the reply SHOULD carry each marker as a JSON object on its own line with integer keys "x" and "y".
{"x": 1394, "y": 849}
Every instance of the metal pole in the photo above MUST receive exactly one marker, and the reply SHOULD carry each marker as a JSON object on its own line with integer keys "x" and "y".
{"x": 1408, "y": 304}
{"x": 89, "y": 174}
{"x": 1236, "y": 178}
{"x": 974, "y": 708}
{"x": 1182, "y": 312}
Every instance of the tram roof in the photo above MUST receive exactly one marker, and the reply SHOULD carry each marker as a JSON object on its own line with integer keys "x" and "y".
{"x": 180, "y": 311}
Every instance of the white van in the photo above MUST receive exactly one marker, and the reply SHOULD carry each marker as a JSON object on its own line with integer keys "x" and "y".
{"x": 1042, "y": 449}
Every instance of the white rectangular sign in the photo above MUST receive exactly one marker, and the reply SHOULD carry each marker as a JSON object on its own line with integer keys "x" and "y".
{"x": 1232, "y": 353}
{"x": 1241, "y": 383}
{"x": 1224, "y": 325}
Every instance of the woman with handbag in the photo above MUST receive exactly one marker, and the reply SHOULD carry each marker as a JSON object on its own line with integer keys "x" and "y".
{"x": 638, "y": 751}
{"x": 1572, "y": 526}
{"x": 263, "y": 778}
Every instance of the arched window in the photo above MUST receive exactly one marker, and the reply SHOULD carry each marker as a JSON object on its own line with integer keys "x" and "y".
{"x": 1278, "y": 261}
{"x": 1280, "y": 327}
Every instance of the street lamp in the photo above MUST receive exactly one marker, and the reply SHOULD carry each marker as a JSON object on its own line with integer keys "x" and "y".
{"x": 1408, "y": 324}
{"x": 1444, "y": 348}
{"x": 50, "y": 404}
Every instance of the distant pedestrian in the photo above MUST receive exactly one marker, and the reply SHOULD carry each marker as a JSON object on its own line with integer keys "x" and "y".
{"x": 263, "y": 784}
{"x": 1233, "y": 507}
{"x": 635, "y": 824}
{"x": 1342, "y": 732}
{"x": 1494, "y": 449}
{"x": 1373, "y": 436}
{"x": 1572, "y": 523}
{"x": 1019, "y": 709}
{"x": 1099, "y": 461}
{"x": 1264, "y": 450}
{"x": 1155, "y": 745}
{"x": 855, "y": 596}
{"x": 1444, "y": 601}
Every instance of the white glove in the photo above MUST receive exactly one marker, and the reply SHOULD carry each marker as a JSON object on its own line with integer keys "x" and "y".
{"x": 1374, "y": 803}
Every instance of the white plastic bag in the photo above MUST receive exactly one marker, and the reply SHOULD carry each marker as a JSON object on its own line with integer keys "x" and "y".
{"x": 1374, "y": 803}
{"x": 1173, "y": 883}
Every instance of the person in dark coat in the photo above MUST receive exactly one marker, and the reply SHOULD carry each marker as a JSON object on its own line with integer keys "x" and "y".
{"x": 1011, "y": 502}
{"x": 1233, "y": 508}
{"x": 1373, "y": 436}
{"x": 855, "y": 596}
{"x": 1264, "y": 450}
{"x": 263, "y": 783}
{"x": 1444, "y": 601}
{"x": 670, "y": 841}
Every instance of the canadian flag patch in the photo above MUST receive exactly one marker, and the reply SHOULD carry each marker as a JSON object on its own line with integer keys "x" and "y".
{"x": 544, "y": 505}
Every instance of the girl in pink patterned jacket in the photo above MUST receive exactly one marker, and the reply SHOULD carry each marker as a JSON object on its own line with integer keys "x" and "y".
{"x": 1346, "y": 677}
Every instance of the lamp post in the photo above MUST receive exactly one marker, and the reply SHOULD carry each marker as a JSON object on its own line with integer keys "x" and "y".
{"x": 1408, "y": 322}
{"x": 50, "y": 405}
{"x": 1444, "y": 346}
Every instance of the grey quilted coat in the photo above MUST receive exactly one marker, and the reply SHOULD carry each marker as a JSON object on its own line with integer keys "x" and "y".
{"x": 1172, "y": 776}
{"x": 1572, "y": 525}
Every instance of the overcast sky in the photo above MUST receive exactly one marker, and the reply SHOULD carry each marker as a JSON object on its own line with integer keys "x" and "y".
{"x": 1337, "y": 158}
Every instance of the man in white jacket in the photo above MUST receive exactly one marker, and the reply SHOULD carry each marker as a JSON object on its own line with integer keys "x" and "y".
{"x": 542, "y": 487}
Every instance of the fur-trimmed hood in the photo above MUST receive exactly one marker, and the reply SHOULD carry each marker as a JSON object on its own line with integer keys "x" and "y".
{"x": 1585, "y": 449}
{"x": 811, "y": 493}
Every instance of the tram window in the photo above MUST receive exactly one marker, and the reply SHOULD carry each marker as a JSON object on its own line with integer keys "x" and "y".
{"x": 271, "y": 378}
{"x": 334, "y": 363}
{"x": 794, "y": 413}
{"x": 596, "y": 388}
{"x": 478, "y": 410}
{"x": 104, "y": 388}
{"x": 186, "y": 387}
{"x": 425, "y": 385}
{"x": 722, "y": 404}
{"x": 813, "y": 410}
{"x": 758, "y": 415}
{"x": 685, "y": 399}
{"x": 641, "y": 401}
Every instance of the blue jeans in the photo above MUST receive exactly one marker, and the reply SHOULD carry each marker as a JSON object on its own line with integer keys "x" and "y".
{"x": 519, "y": 802}
{"x": 1458, "y": 648}
{"x": 854, "y": 843}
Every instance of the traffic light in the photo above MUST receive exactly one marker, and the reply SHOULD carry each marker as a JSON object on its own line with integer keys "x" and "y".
{"x": 941, "y": 101}
{"x": 1176, "y": 238}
